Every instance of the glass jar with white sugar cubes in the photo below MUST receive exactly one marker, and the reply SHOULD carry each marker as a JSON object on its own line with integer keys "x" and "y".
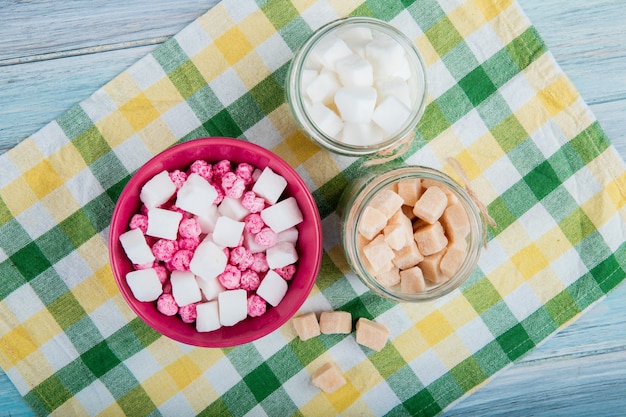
{"x": 357, "y": 86}
{"x": 410, "y": 233}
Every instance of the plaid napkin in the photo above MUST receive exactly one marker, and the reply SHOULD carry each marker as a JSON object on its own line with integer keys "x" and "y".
{"x": 498, "y": 103}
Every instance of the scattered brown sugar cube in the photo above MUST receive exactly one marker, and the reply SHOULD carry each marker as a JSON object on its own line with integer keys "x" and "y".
{"x": 408, "y": 256}
{"x": 410, "y": 189}
{"x": 455, "y": 222}
{"x": 451, "y": 261}
{"x": 431, "y": 205}
{"x": 412, "y": 280}
{"x": 430, "y": 239}
{"x": 372, "y": 222}
{"x": 328, "y": 378}
{"x": 371, "y": 334}
{"x": 430, "y": 268}
{"x": 388, "y": 278}
{"x": 452, "y": 198}
{"x": 335, "y": 322}
{"x": 378, "y": 253}
{"x": 387, "y": 202}
{"x": 306, "y": 326}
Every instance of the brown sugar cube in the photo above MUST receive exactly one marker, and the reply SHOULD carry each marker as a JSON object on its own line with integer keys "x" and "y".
{"x": 335, "y": 322}
{"x": 452, "y": 198}
{"x": 408, "y": 211}
{"x": 430, "y": 268}
{"x": 372, "y": 222}
{"x": 412, "y": 280}
{"x": 431, "y": 205}
{"x": 388, "y": 278}
{"x": 408, "y": 256}
{"x": 455, "y": 222}
{"x": 410, "y": 189}
{"x": 452, "y": 260}
{"x": 371, "y": 334}
{"x": 328, "y": 378}
{"x": 387, "y": 202}
{"x": 395, "y": 236}
{"x": 399, "y": 218}
{"x": 306, "y": 326}
{"x": 430, "y": 239}
{"x": 378, "y": 253}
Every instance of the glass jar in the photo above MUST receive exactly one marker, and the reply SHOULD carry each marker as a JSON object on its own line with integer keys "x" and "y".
{"x": 305, "y": 66}
{"x": 360, "y": 193}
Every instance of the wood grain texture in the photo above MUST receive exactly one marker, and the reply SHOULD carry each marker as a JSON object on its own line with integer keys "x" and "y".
{"x": 54, "y": 54}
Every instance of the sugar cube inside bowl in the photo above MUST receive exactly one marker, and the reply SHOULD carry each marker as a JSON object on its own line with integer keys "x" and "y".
{"x": 206, "y": 279}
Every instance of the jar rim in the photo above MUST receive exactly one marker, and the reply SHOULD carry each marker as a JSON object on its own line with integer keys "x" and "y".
{"x": 295, "y": 94}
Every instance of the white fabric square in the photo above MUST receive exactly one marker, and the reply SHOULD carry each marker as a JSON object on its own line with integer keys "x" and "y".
{"x": 484, "y": 43}
{"x": 24, "y": 302}
{"x": 256, "y": 411}
{"x": 8, "y": 171}
{"x": 73, "y": 269}
{"x": 193, "y": 39}
{"x": 265, "y": 129}
{"x": 59, "y": 351}
{"x": 36, "y": 220}
{"x": 438, "y": 78}
{"x": 548, "y": 138}
{"x": 470, "y": 128}
{"x": 449, "y": 5}
{"x": 132, "y": 153}
{"x": 318, "y": 14}
{"x": 428, "y": 367}
{"x": 177, "y": 405}
{"x": 228, "y": 87}
{"x": 396, "y": 320}
{"x": 475, "y": 335}
{"x": 142, "y": 365}
{"x": 522, "y": 302}
{"x": 268, "y": 345}
{"x": 240, "y": 9}
{"x": 108, "y": 318}
{"x": 274, "y": 52}
{"x": 347, "y": 353}
{"x": 537, "y": 221}
{"x": 222, "y": 376}
{"x": 381, "y": 398}
{"x": 16, "y": 378}
{"x": 49, "y": 139}
{"x": 502, "y": 175}
{"x": 315, "y": 303}
{"x": 582, "y": 186}
{"x": 95, "y": 398}
{"x": 98, "y": 106}
{"x": 84, "y": 187}
{"x": 517, "y": 92}
{"x": 613, "y": 232}
{"x": 570, "y": 267}
{"x": 492, "y": 257}
{"x": 181, "y": 119}
{"x": 407, "y": 25}
{"x": 300, "y": 388}
{"x": 146, "y": 71}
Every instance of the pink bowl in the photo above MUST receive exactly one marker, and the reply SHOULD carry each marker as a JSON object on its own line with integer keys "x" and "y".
{"x": 309, "y": 244}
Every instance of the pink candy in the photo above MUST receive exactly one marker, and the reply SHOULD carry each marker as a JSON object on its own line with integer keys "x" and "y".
{"x": 180, "y": 260}
{"x": 250, "y": 280}
{"x": 139, "y": 221}
{"x": 178, "y": 178}
{"x": 286, "y": 272}
{"x": 253, "y": 223}
{"x": 221, "y": 168}
{"x": 260, "y": 263}
{"x": 189, "y": 228}
{"x": 233, "y": 185}
{"x": 256, "y": 306}
{"x": 162, "y": 273}
{"x": 188, "y": 313}
{"x": 230, "y": 278}
{"x": 244, "y": 171}
{"x": 164, "y": 249}
{"x": 167, "y": 305}
{"x": 241, "y": 257}
{"x": 266, "y": 237}
{"x": 189, "y": 243}
{"x": 202, "y": 168}
{"x": 252, "y": 203}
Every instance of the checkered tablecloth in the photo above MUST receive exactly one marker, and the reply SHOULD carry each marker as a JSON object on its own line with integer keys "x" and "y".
{"x": 498, "y": 103}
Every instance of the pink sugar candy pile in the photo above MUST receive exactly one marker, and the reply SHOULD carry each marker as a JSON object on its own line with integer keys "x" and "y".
{"x": 244, "y": 269}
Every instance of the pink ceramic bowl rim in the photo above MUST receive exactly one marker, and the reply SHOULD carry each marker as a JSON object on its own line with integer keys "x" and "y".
{"x": 309, "y": 244}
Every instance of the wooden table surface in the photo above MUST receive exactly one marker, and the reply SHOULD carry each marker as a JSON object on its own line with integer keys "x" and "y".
{"x": 54, "y": 54}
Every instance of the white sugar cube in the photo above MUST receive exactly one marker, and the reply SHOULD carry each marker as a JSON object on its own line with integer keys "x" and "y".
{"x": 354, "y": 70}
{"x": 356, "y": 104}
{"x": 393, "y": 86}
{"x": 210, "y": 288}
{"x": 250, "y": 244}
{"x": 282, "y": 215}
{"x": 325, "y": 119}
{"x": 385, "y": 54}
{"x": 144, "y": 284}
{"x": 289, "y": 235}
{"x": 362, "y": 134}
{"x": 281, "y": 254}
{"x": 207, "y": 219}
{"x": 329, "y": 50}
{"x": 232, "y": 207}
{"x": 157, "y": 190}
{"x": 163, "y": 223}
{"x": 233, "y": 306}
{"x": 184, "y": 288}
{"x": 322, "y": 88}
{"x": 308, "y": 75}
{"x": 404, "y": 69}
{"x": 391, "y": 114}
{"x": 196, "y": 195}
{"x": 269, "y": 185}
{"x": 208, "y": 317}
{"x": 136, "y": 248}
{"x": 356, "y": 38}
{"x": 227, "y": 232}
{"x": 273, "y": 288}
{"x": 208, "y": 261}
